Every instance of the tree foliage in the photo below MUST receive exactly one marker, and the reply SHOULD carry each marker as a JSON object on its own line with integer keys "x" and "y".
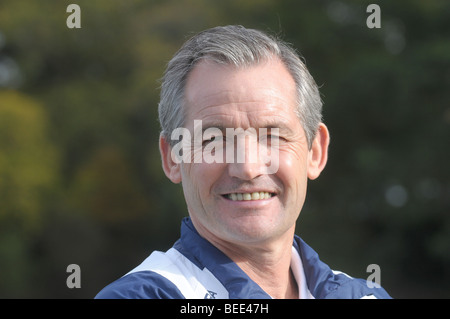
{"x": 80, "y": 173}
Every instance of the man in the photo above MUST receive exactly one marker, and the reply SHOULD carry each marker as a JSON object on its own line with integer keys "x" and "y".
{"x": 255, "y": 114}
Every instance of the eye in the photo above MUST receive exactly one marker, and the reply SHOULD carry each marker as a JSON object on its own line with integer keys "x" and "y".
{"x": 211, "y": 134}
{"x": 207, "y": 141}
{"x": 272, "y": 138}
{"x": 214, "y": 138}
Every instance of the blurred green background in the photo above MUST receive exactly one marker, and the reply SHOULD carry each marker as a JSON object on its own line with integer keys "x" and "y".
{"x": 80, "y": 174}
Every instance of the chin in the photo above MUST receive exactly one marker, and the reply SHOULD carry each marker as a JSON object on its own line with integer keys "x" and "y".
{"x": 249, "y": 231}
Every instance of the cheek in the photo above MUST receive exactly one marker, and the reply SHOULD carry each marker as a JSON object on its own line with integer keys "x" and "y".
{"x": 293, "y": 159}
{"x": 293, "y": 171}
{"x": 198, "y": 178}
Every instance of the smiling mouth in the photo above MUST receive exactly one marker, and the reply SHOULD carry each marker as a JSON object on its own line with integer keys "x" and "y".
{"x": 249, "y": 196}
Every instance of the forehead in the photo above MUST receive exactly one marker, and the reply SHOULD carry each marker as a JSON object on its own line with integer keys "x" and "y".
{"x": 227, "y": 93}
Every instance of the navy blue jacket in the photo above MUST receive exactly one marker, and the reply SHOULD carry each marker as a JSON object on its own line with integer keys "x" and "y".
{"x": 193, "y": 268}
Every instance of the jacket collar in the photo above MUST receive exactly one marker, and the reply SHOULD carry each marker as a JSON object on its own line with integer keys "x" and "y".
{"x": 321, "y": 281}
{"x": 326, "y": 283}
{"x": 203, "y": 254}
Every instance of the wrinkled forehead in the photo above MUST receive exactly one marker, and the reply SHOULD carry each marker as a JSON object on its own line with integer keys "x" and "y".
{"x": 266, "y": 88}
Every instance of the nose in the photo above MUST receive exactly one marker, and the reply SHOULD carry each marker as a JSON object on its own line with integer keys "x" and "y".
{"x": 246, "y": 164}
{"x": 244, "y": 171}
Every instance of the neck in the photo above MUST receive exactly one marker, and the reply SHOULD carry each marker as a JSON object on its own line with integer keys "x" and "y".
{"x": 273, "y": 274}
{"x": 270, "y": 268}
{"x": 267, "y": 264}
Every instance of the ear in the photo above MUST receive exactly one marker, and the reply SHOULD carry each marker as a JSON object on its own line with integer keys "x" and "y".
{"x": 318, "y": 154}
{"x": 170, "y": 167}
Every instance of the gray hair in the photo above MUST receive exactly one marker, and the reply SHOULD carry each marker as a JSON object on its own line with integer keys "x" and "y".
{"x": 238, "y": 46}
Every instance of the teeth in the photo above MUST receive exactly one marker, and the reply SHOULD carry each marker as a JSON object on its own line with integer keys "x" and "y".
{"x": 249, "y": 196}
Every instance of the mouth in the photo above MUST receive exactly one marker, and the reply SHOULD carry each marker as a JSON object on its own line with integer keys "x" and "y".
{"x": 254, "y": 196}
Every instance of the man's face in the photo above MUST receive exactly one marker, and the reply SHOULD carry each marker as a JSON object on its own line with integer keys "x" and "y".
{"x": 261, "y": 96}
